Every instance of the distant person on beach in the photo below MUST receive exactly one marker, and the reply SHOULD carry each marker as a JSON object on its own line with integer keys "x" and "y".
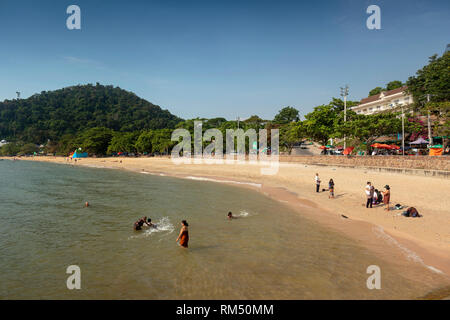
{"x": 317, "y": 180}
{"x": 331, "y": 188}
{"x": 369, "y": 189}
{"x": 183, "y": 237}
{"x": 387, "y": 197}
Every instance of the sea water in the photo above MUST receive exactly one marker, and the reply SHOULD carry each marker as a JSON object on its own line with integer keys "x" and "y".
{"x": 268, "y": 252}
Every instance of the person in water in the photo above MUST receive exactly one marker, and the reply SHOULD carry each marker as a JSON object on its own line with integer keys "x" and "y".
{"x": 150, "y": 223}
{"x": 183, "y": 237}
{"x": 230, "y": 215}
{"x": 86, "y": 204}
{"x": 140, "y": 223}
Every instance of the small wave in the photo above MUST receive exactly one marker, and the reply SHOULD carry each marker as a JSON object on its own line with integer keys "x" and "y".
{"x": 245, "y": 214}
{"x": 154, "y": 174}
{"x": 258, "y": 185}
{"x": 163, "y": 225}
{"x": 410, "y": 255}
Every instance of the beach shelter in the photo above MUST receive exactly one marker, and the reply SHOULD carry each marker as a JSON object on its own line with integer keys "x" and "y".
{"x": 79, "y": 154}
{"x": 348, "y": 150}
{"x": 323, "y": 147}
{"x": 419, "y": 141}
{"x": 394, "y": 147}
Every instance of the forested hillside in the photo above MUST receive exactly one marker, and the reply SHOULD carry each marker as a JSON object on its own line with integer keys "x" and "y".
{"x": 71, "y": 110}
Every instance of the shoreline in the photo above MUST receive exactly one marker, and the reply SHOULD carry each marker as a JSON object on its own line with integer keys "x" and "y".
{"x": 399, "y": 247}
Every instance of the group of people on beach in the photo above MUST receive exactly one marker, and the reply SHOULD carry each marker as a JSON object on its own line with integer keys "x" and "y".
{"x": 374, "y": 196}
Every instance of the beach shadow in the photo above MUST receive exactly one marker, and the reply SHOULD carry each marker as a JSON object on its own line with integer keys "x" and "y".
{"x": 339, "y": 195}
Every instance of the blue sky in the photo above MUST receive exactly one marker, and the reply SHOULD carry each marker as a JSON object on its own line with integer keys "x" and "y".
{"x": 219, "y": 58}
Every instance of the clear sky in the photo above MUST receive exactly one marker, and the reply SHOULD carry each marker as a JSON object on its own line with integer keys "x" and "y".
{"x": 219, "y": 58}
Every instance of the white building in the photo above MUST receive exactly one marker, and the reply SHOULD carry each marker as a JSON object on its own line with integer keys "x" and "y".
{"x": 384, "y": 101}
{"x": 3, "y": 142}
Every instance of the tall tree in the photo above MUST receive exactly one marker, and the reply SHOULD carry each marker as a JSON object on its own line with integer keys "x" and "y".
{"x": 291, "y": 134}
{"x": 286, "y": 115}
{"x": 394, "y": 85}
{"x": 433, "y": 79}
{"x": 320, "y": 123}
{"x": 96, "y": 140}
{"x": 375, "y": 91}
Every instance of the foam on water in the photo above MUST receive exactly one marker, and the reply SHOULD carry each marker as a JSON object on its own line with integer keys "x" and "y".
{"x": 258, "y": 185}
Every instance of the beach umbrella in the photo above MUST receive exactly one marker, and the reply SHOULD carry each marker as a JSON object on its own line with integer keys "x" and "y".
{"x": 348, "y": 150}
{"x": 394, "y": 147}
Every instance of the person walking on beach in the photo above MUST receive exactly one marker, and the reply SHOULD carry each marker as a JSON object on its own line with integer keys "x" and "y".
{"x": 331, "y": 188}
{"x": 317, "y": 180}
{"x": 387, "y": 197}
{"x": 369, "y": 194}
{"x": 183, "y": 237}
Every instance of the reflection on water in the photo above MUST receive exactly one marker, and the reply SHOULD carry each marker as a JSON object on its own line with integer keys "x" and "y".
{"x": 269, "y": 252}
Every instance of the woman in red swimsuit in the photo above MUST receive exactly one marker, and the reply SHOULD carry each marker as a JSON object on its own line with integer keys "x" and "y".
{"x": 184, "y": 234}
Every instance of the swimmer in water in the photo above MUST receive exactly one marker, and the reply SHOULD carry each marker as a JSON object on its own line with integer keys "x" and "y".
{"x": 86, "y": 204}
{"x": 230, "y": 216}
{"x": 138, "y": 224}
{"x": 150, "y": 223}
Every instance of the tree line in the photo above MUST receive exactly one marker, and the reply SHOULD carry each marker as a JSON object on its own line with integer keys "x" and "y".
{"x": 138, "y": 132}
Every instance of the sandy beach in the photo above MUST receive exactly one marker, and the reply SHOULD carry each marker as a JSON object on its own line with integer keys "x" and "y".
{"x": 424, "y": 241}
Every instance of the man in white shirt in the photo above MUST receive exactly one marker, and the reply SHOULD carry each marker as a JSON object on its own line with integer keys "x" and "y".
{"x": 317, "y": 179}
{"x": 369, "y": 194}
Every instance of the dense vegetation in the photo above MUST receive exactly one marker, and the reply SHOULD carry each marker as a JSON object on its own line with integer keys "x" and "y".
{"x": 105, "y": 120}
{"x": 53, "y": 114}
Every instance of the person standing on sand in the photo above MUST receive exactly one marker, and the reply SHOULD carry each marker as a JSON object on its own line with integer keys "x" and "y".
{"x": 317, "y": 180}
{"x": 331, "y": 188}
{"x": 369, "y": 194}
{"x": 387, "y": 197}
{"x": 184, "y": 234}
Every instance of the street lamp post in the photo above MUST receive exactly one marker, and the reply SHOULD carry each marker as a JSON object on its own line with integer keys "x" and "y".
{"x": 403, "y": 132}
{"x": 344, "y": 93}
{"x": 429, "y": 123}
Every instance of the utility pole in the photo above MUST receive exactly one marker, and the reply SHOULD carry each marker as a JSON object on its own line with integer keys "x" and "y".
{"x": 18, "y": 94}
{"x": 238, "y": 119}
{"x": 344, "y": 93}
{"x": 430, "y": 138}
{"x": 403, "y": 132}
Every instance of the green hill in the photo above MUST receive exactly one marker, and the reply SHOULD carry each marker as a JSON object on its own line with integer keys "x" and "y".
{"x": 71, "y": 110}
